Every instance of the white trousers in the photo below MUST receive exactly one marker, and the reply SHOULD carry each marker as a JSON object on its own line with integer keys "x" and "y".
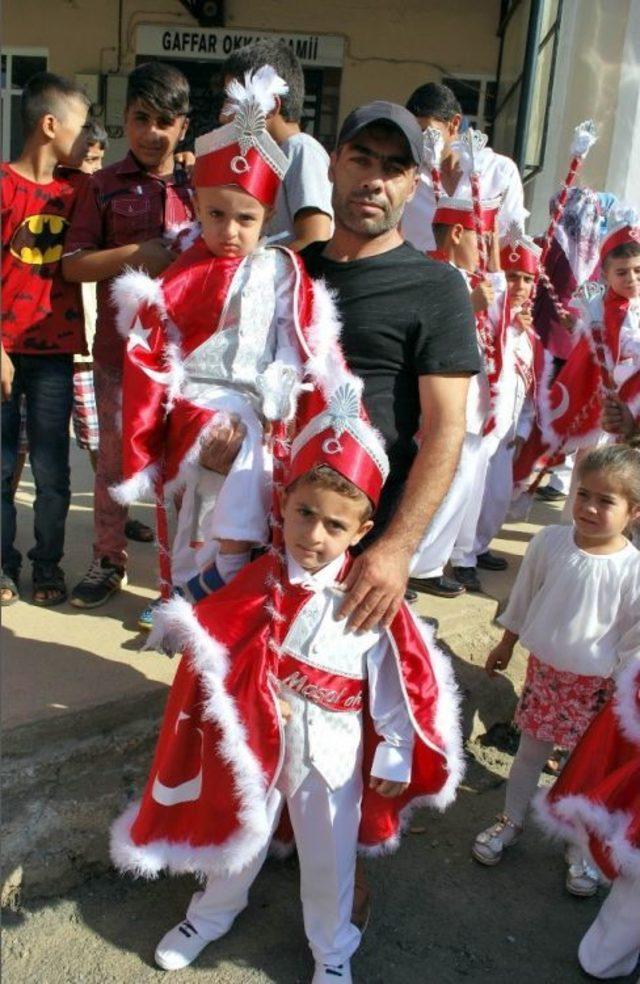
{"x": 230, "y": 507}
{"x": 463, "y": 553}
{"x": 437, "y": 543}
{"x": 325, "y": 823}
{"x": 498, "y": 492}
{"x": 611, "y": 945}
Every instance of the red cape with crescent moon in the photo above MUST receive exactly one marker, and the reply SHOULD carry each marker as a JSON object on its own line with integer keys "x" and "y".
{"x": 570, "y": 408}
{"x": 220, "y": 749}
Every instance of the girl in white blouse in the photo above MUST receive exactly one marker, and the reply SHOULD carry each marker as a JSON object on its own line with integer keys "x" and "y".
{"x": 575, "y": 606}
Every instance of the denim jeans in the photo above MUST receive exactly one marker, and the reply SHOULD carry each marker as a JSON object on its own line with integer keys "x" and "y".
{"x": 47, "y": 383}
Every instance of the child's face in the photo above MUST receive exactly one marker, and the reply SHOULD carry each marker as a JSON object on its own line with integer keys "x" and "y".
{"x": 67, "y": 131}
{"x": 153, "y": 136}
{"x": 320, "y": 524}
{"x": 231, "y": 220}
{"x": 623, "y": 276}
{"x": 601, "y": 511}
{"x": 519, "y": 286}
{"x": 464, "y": 248}
{"x": 92, "y": 160}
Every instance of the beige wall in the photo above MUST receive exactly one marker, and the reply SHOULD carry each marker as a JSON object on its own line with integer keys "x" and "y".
{"x": 587, "y": 85}
{"x": 391, "y": 47}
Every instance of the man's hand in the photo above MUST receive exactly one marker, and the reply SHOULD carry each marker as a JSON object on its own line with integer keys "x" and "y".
{"x": 482, "y": 296}
{"x": 385, "y": 787}
{"x": 154, "y": 256}
{"x": 616, "y": 416}
{"x": 8, "y": 372}
{"x": 375, "y": 587}
{"x": 220, "y": 447}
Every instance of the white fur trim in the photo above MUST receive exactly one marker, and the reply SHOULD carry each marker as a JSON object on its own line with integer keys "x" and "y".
{"x": 140, "y": 487}
{"x": 129, "y": 291}
{"x": 209, "y": 660}
{"x": 577, "y": 817}
{"x": 326, "y": 365}
{"x": 625, "y": 703}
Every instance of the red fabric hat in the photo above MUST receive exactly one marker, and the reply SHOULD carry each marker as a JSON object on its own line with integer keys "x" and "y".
{"x": 626, "y": 231}
{"x": 520, "y": 252}
{"x": 242, "y": 153}
{"x": 337, "y": 433}
{"x": 459, "y": 211}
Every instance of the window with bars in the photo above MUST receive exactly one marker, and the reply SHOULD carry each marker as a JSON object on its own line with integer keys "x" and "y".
{"x": 476, "y": 95}
{"x": 18, "y": 65}
{"x": 529, "y": 31}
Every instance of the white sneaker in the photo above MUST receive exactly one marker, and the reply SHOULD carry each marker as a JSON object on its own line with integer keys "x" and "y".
{"x": 332, "y": 973}
{"x": 179, "y": 947}
{"x": 490, "y": 843}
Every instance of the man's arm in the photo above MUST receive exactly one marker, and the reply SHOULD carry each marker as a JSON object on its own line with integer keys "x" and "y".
{"x": 310, "y": 225}
{"x": 378, "y": 579}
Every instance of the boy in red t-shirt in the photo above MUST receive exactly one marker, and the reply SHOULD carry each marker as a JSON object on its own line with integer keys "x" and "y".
{"x": 127, "y": 216}
{"x": 43, "y": 325}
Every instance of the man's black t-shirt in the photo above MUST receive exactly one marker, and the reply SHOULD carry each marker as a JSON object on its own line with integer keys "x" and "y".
{"x": 404, "y": 316}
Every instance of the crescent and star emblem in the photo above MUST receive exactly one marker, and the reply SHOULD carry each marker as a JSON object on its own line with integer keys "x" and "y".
{"x": 139, "y": 338}
{"x": 239, "y": 165}
{"x": 563, "y": 406}
{"x": 184, "y": 792}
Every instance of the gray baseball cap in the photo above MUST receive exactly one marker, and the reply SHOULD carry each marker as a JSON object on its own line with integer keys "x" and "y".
{"x": 387, "y": 112}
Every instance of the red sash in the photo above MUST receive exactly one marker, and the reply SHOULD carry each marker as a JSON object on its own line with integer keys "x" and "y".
{"x": 331, "y": 691}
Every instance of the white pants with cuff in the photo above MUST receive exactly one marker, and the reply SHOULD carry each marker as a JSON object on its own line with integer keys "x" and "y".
{"x": 435, "y": 548}
{"x": 463, "y": 552}
{"x": 498, "y": 492}
{"x": 224, "y": 507}
{"x": 325, "y": 823}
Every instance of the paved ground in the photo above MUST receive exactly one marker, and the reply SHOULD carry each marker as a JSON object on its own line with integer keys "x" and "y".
{"x": 438, "y": 917}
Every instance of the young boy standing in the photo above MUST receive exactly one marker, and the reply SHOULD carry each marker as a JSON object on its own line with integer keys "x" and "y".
{"x": 302, "y": 212}
{"x": 42, "y": 325}
{"x": 125, "y": 218}
{"x": 456, "y": 239}
{"x": 360, "y": 741}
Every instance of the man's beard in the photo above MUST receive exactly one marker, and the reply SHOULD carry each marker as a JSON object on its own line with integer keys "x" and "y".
{"x": 366, "y": 225}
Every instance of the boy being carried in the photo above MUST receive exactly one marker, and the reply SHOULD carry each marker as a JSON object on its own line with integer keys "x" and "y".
{"x": 457, "y": 240}
{"x": 241, "y": 354}
{"x": 42, "y": 325}
{"x": 361, "y": 742}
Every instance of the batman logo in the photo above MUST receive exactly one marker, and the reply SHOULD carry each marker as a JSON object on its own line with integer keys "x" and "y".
{"x": 39, "y": 239}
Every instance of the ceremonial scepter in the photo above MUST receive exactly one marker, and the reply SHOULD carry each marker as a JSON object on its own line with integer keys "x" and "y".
{"x": 471, "y": 145}
{"x": 432, "y": 146}
{"x": 584, "y": 137}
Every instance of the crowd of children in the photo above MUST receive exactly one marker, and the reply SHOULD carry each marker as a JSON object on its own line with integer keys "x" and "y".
{"x": 281, "y": 718}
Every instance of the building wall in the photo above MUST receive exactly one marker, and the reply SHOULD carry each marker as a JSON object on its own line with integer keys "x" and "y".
{"x": 391, "y": 47}
{"x": 597, "y": 77}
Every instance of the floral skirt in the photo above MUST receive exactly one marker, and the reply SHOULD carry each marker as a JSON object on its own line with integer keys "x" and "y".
{"x": 559, "y": 706}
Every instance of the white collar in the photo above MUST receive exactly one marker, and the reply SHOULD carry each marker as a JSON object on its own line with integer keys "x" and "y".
{"x": 324, "y": 578}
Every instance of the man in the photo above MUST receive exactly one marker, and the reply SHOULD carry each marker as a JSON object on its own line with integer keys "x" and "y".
{"x": 435, "y": 105}
{"x": 408, "y": 332}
